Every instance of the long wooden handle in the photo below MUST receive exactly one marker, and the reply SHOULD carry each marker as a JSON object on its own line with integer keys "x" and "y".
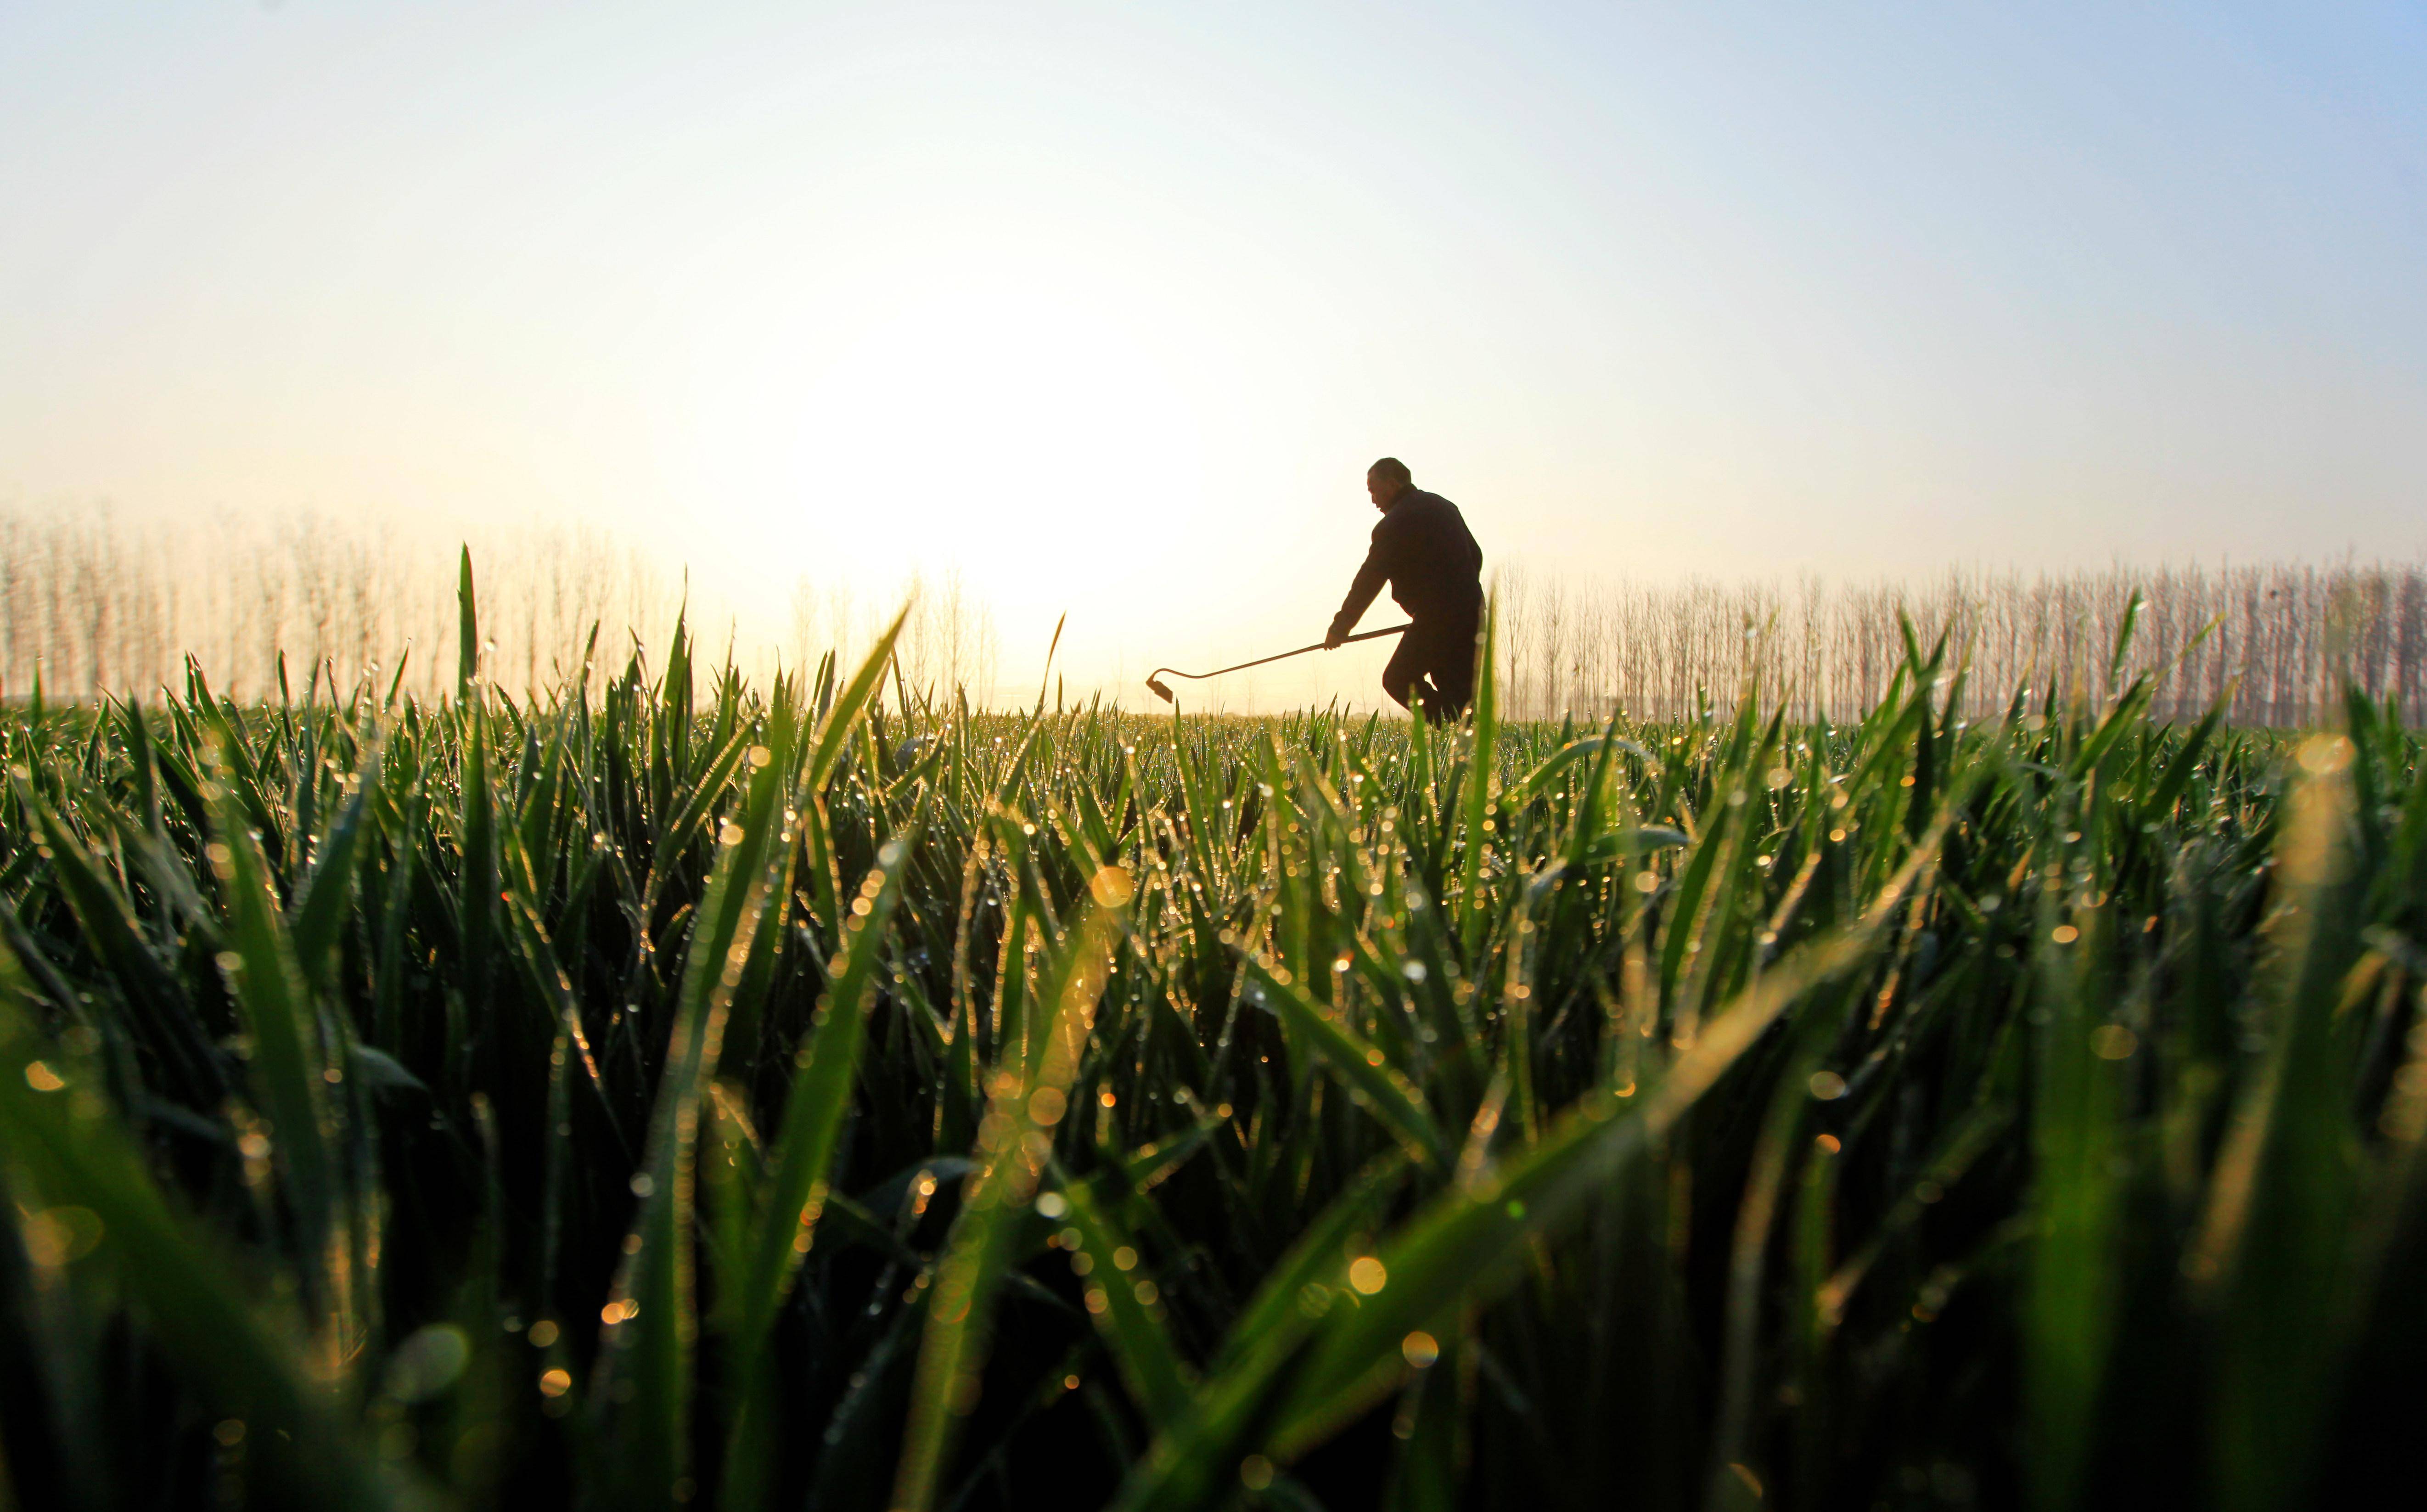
{"x": 1199, "y": 676}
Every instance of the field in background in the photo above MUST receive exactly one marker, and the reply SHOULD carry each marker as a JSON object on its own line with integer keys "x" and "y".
{"x": 681, "y": 1092}
{"x": 96, "y": 608}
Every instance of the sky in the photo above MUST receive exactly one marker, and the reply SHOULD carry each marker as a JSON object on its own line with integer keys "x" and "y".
{"x": 1107, "y": 307}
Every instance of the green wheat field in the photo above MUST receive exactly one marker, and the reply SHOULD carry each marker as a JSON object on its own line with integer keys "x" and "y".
{"x": 673, "y": 1091}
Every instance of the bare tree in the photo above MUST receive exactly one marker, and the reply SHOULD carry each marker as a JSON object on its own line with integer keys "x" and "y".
{"x": 2274, "y": 641}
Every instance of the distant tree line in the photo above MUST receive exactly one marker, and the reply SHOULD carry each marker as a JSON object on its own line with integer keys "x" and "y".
{"x": 94, "y": 603}
{"x": 2277, "y": 642}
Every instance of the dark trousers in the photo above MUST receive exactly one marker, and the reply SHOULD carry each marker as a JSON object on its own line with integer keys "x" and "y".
{"x": 1433, "y": 670}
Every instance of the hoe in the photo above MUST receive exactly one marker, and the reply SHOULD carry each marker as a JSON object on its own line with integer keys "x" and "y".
{"x": 1154, "y": 679}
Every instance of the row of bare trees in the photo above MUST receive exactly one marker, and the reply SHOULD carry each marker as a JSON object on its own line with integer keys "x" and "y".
{"x": 92, "y": 604}
{"x": 2276, "y": 642}
{"x": 89, "y": 604}
{"x": 949, "y": 637}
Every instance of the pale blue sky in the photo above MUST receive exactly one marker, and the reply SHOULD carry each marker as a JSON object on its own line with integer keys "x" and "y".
{"x": 1094, "y": 298}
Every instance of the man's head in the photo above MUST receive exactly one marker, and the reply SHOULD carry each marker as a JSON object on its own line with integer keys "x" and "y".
{"x": 1386, "y": 481}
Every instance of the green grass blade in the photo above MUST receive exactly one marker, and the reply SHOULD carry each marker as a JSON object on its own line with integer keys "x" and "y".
{"x": 1476, "y": 798}
{"x": 1359, "y": 1065}
{"x": 2278, "y": 1247}
{"x": 63, "y": 1142}
{"x": 290, "y": 1064}
{"x": 1125, "y": 1303}
{"x": 1028, "y": 1102}
{"x": 320, "y": 915}
{"x": 467, "y": 633}
{"x": 801, "y": 1160}
{"x": 833, "y": 733}
{"x": 644, "y": 1371}
{"x": 107, "y": 922}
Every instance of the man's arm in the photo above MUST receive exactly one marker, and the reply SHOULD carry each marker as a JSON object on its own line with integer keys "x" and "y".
{"x": 1370, "y": 578}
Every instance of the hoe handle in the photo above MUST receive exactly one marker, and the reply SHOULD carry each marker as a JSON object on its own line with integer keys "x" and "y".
{"x": 1199, "y": 676}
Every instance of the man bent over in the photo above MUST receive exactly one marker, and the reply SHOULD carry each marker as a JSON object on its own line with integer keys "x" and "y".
{"x": 1435, "y": 570}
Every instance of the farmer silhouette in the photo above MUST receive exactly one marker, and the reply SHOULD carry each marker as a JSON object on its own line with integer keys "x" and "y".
{"x": 1435, "y": 570}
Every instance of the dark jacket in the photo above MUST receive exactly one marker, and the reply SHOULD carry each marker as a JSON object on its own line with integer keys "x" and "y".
{"x": 1423, "y": 550}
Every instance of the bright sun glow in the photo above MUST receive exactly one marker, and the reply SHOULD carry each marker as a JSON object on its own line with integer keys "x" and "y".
{"x": 1015, "y": 425}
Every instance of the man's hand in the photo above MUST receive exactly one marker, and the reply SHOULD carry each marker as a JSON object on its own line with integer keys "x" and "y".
{"x": 1332, "y": 639}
